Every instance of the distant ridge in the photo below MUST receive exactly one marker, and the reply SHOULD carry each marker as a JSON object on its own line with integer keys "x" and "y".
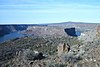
{"x": 45, "y": 24}
{"x": 70, "y": 22}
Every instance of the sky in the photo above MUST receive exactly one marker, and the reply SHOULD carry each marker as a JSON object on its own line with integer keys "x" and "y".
{"x": 49, "y": 11}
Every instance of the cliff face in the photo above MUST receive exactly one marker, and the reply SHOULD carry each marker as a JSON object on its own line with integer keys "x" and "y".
{"x": 45, "y": 31}
{"x": 72, "y": 32}
{"x": 6, "y": 29}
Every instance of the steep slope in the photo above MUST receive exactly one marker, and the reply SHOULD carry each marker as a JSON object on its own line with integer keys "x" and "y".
{"x": 5, "y": 29}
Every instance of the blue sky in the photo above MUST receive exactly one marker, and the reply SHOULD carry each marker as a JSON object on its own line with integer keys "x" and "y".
{"x": 49, "y": 11}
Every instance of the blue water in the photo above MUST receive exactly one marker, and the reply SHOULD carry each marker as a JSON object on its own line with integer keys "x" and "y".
{"x": 10, "y": 36}
{"x": 78, "y": 33}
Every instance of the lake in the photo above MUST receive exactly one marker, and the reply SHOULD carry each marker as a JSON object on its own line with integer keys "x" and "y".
{"x": 10, "y": 36}
{"x": 78, "y": 33}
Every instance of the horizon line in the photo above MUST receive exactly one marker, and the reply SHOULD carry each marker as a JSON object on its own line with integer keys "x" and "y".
{"x": 48, "y": 23}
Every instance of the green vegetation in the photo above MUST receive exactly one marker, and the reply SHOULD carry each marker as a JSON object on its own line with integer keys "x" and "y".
{"x": 45, "y": 45}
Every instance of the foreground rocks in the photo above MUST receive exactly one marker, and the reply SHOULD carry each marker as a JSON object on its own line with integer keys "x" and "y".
{"x": 49, "y": 52}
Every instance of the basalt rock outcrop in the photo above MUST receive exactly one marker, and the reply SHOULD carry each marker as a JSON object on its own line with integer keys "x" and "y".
{"x": 72, "y": 32}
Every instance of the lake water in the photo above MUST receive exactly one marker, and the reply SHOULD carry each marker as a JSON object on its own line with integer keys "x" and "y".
{"x": 78, "y": 33}
{"x": 18, "y": 35}
{"x": 10, "y": 36}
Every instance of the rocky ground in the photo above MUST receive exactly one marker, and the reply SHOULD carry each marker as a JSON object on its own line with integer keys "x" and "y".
{"x": 39, "y": 51}
{"x": 19, "y": 52}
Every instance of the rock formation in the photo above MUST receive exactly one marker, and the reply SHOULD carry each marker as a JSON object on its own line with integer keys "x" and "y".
{"x": 98, "y": 31}
{"x": 62, "y": 48}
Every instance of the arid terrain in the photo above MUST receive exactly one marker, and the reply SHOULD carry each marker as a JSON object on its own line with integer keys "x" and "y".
{"x": 68, "y": 44}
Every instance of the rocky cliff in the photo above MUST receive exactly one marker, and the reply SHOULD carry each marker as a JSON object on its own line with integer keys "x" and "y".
{"x": 5, "y": 29}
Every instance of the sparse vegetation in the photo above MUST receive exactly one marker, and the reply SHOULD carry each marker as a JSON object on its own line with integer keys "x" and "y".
{"x": 47, "y": 46}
